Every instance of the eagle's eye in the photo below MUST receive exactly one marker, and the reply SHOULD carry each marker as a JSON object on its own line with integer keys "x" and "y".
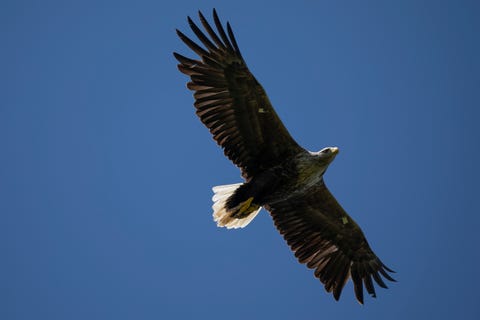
{"x": 325, "y": 151}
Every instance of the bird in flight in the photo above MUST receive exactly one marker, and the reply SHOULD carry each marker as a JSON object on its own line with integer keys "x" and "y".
{"x": 279, "y": 175}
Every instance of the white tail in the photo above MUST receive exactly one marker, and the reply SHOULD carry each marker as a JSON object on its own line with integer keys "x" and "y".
{"x": 221, "y": 215}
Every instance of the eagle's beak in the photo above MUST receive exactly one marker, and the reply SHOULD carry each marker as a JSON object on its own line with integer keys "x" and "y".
{"x": 334, "y": 150}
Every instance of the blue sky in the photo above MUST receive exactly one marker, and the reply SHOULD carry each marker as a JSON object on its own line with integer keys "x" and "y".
{"x": 106, "y": 173}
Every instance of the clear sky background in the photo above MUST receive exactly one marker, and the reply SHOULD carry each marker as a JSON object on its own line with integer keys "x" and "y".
{"x": 106, "y": 173}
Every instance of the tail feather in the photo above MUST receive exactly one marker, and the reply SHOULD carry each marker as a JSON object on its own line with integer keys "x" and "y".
{"x": 238, "y": 217}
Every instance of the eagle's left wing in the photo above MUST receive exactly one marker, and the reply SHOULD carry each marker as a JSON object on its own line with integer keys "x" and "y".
{"x": 231, "y": 103}
{"x": 324, "y": 237}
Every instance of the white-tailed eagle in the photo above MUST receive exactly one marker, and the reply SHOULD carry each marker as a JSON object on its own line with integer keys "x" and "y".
{"x": 279, "y": 175}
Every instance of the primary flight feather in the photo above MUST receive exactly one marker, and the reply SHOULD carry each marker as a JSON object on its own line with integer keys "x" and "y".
{"x": 280, "y": 175}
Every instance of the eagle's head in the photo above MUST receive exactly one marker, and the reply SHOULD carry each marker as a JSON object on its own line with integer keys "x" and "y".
{"x": 327, "y": 154}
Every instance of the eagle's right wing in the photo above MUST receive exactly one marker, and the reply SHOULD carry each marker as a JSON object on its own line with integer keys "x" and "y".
{"x": 232, "y": 104}
{"x": 324, "y": 237}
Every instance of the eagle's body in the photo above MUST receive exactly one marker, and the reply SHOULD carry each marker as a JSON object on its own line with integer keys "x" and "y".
{"x": 294, "y": 176}
{"x": 280, "y": 175}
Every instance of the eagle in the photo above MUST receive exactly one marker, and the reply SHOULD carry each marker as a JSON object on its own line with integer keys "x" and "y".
{"x": 279, "y": 175}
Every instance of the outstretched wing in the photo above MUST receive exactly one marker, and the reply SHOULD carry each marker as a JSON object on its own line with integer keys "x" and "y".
{"x": 231, "y": 102}
{"x": 325, "y": 238}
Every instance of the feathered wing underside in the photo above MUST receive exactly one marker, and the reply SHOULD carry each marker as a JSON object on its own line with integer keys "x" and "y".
{"x": 326, "y": 239}
{"x": 231, "y": 103}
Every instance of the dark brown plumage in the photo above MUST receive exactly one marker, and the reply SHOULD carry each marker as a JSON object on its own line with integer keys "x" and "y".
{"x": 279, "y": 175}
{"x": 227, "y": 99}
{"x": 326, "y": 239}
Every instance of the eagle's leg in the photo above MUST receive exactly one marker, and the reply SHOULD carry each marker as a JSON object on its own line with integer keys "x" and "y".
{"x": 244, "y": 209}
{"x": 243, "y": 200}
{"x": 237, "y": 216}
{"x": 236, "y": 205}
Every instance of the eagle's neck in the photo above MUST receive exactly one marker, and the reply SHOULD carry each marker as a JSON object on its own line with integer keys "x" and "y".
{"x": 310, "y": 167}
